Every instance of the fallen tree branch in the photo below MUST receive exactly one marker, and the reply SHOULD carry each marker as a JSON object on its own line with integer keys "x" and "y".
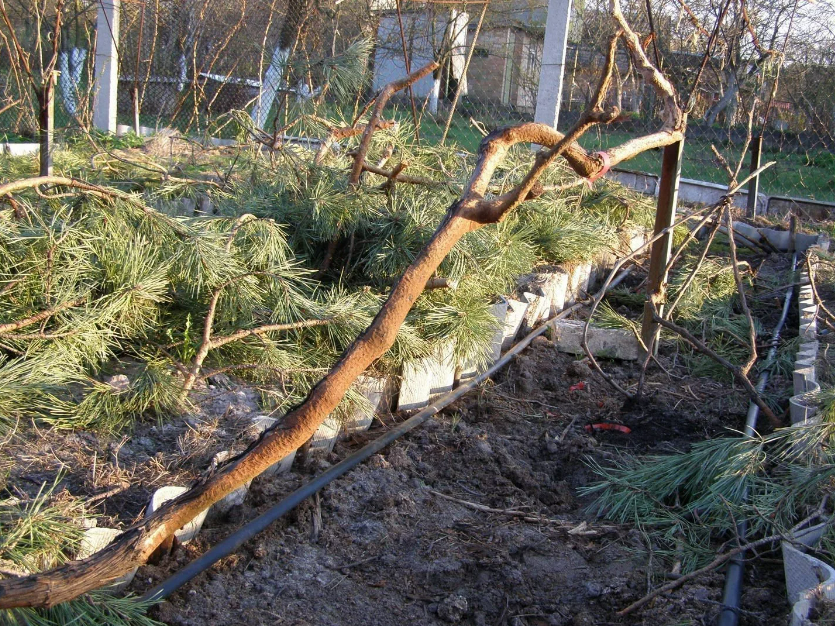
{"x": 718, "y": 561}
{"x": 395, "y": 175}
{"x": 468, "y": 213}
{"x": 210, "y": 342}
{"x": 817, "y": 297}
{"x": 94, "y": 190}
{"x": 523, "y": 515}
{"x": 374, "y": 121}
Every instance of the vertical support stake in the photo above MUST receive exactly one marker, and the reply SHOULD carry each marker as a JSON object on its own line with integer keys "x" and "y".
{"x": 135, "y": 100}
{"x": 754, "y": 183}
{"x": 46, "y": 123}
{"x": 665, "y": 216}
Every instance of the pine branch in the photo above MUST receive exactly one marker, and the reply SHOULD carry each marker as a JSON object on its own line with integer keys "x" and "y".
{"x": 95, "y": 190}
{"x": 373, "y": 123}
{"x": 596, "y": 301}
{"x": 42, "y": 315}
{"x": 218, "y": 342}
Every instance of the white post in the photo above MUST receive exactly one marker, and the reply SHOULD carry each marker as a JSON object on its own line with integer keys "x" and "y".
{"x": 549, "y": 94}
{"x": 107, "y": 65}
{"x": 459, "y": 22}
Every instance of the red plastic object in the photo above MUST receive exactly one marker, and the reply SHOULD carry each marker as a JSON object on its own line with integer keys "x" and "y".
{"x": 606, "y": 426}
{"x": 578, "y": 387}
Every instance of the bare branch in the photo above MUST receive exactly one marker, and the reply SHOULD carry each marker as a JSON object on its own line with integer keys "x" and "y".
{"x": 42, "y": 315}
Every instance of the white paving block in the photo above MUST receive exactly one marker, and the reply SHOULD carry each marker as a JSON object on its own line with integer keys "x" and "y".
{"x": 377, "y": 390}
{"x": 469, "y": 369}
{"x": 538, "y": 309}
{"x": 324, "y": 439}
{"x": 95, "y": 539}
{"x": 499, "y": 311}
{"x": 443, "y": 370}
{"x": 164, "y": 494}
{"x": 516, "y": 311}
{"x": 427, "y": 377}
{"x": 578, "y": 284}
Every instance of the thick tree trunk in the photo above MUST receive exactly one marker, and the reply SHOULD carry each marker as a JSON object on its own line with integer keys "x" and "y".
{"x": 728, "y": 98}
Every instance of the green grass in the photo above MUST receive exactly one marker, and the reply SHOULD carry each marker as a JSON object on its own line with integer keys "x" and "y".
{"x": 809, "y": 175}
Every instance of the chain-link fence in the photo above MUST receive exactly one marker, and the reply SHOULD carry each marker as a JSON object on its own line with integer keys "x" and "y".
{"x": 187, "y": 64}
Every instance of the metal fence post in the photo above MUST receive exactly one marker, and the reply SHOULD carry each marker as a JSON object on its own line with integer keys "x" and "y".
{"x": 754, "y": 183}
{"x": 107, "y": 65}
{"x": 664, "y": 217}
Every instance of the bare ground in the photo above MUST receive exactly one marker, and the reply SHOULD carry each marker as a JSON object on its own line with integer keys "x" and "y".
{"x": 400, "y": 539}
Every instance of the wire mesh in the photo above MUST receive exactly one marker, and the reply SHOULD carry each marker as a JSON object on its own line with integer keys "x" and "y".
{"x": 769, "y": 70}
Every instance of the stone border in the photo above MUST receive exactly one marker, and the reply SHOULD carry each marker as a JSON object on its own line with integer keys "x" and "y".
{"x": 704, "y": 192}
{"x": 807, "y": 578}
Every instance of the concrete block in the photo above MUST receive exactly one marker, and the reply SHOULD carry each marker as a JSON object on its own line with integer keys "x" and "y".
{"x": 95, "y": 539}
{"x": 516, "y": 311}
{"x": 635, "y": 239}
{"x": 804, "y": 573}
{"x": 443, "y": 370}
{"x": 415, "y": 383}
{"x": 499, "y": 311}
{"x": 378, "y": 392}
{"x": 780, "y": 239}
{"x": 609, "y": 343}
{"x": 538, "y": 308}
{"x": 702, "y": 192}
{"x": 261, "y": 423}
{"x": 427, "y": 377}
{"x": 807, "y": 209}
{"x": 237, "y": 497}
{"x": 808, "y": 329}
{"x": 469, "y": 369}
{"x": 324, "y": 439}
{"x": 551, "y": 285}
{"x": 804, "y": 379}
{"x": 164, "y": 494}
{"x": 802, "y": 408}
{"x": 638, "y": 181}
{"x": 578, "y": 283}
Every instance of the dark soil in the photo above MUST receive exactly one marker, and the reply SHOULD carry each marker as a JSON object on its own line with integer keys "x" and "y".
{"x": 401, "y": 539}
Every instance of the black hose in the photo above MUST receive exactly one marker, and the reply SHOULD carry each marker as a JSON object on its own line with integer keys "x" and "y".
{"x": 732, "y": 595}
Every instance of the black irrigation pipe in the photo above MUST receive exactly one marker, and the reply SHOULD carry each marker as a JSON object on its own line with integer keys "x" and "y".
{"x": 729, "y": 616}
{"x": 260, "y": 523}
